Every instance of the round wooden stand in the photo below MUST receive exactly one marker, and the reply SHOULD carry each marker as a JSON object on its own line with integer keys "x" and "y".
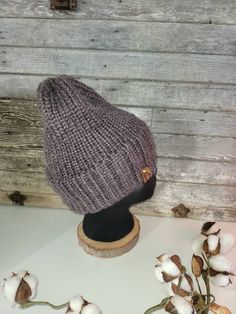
{"x": 109, "y": 249}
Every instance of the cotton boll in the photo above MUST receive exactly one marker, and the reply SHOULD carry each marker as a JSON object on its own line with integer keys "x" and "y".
{"x": 169, "y": 289}
{"x": 221, "y": 264}
{"x": 22, "y": 273}
{"x": 20, "y": 287}
{"x": 162, "y": 258}
{"x": 32, "y": 281}
{"x": 76, "y": 303}
{"x": 158, "y": 274}
{"x": 220, "y": 280}
{"x": 182, "y": 306}
{"x": 91, "y": 309}
{"x": 213, "y": 242}
{"x": 211, "y": 245}
{"x": 10, "y": 288}
{"x": 185, "y": 285}
{"x": 197, "y": 244}
{"x": 227, "y": 242}
{"x": 170, "y": 268}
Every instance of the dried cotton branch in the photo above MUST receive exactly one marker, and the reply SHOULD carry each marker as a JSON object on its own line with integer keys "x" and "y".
{"x": 208, "y": 264}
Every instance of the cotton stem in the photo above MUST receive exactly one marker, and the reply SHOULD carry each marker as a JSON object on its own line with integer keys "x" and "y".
{"x": 33, "y": 303}
{"x": 157, "y": 307}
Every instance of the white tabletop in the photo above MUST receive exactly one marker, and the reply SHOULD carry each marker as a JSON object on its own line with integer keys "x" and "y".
{"x": 44, "y": 242}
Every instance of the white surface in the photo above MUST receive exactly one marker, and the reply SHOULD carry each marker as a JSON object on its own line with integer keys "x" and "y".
{"x": 44, "y": 242}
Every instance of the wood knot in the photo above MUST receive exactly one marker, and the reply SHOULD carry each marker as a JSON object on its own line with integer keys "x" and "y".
{"x": 180, "y": 211}
{"x": 17, "y": 198}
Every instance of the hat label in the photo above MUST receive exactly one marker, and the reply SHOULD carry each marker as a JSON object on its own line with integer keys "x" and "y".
{"x": 146, "y": 174}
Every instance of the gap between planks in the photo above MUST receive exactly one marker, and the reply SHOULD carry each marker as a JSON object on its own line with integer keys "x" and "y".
{"x": 105, "y": 78}
{"x": 112, "y": 19}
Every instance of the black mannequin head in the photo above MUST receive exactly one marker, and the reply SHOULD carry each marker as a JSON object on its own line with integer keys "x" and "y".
{"x": 116, "y": 221}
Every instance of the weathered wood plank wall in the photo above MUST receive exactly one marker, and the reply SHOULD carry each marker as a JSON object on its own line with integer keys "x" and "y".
{"x": 202, "y": 11}
{"x": 171, "y": 63}
{"x": 120, "y": 35}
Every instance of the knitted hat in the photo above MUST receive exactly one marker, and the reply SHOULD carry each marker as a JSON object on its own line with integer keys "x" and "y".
{"x": 96, "y": 154}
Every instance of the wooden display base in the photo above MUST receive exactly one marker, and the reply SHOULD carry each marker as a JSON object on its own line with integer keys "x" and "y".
{"x": 109, "y": 249}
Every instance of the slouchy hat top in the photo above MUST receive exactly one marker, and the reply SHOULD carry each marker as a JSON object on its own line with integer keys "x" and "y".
{"x": 95, "y": 152}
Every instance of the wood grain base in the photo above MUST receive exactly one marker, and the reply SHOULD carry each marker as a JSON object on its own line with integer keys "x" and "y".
{"x": 109, "y": 249}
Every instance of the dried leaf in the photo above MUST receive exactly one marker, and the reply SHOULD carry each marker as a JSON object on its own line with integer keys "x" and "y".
{"x": 179, "y": 291}
{"x": 219, "y": 309}
{"x": 197, "y": 265}
{"x": 206, "y": 228}
{"x": 189, "y": 280}
{"x": 85, "y": 302}
{"x": 213, "y": 272}
{"x": 68, "y": 309}
{"x": 23, "y": 292}
{"x": 170, "y": 308}
{"x": 162, "y": 258}
{"x": 176, "y": 259}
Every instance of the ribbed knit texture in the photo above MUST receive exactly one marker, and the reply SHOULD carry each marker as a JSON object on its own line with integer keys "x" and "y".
{"x": 94, "y": 151}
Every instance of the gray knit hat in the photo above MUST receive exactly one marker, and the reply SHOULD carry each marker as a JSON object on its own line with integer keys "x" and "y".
{"x": 96, "y": 154}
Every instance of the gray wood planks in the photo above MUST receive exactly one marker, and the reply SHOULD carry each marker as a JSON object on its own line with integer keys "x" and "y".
{"x": 24, "y": 115}
{"x": 147, "y": 208}
{"x": 145, "y": 56}
{"x": 205, "y": 201}
{"x": 136, "y": 93}
{"x": 168, "y": 145}
{"x": 109, "y": 64}
{"x": 196, "y": 171}
{"x": 193, "y": 122}
{"x": 196, "y": 147}
{"x": 220, "y": 195}
{"x": 169, "y": 169}
{"x": 175, "y": 131}
{"x": 202, "y": 11}
{"x": 21, "y": 144}
{"x": 119, "y": 35}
